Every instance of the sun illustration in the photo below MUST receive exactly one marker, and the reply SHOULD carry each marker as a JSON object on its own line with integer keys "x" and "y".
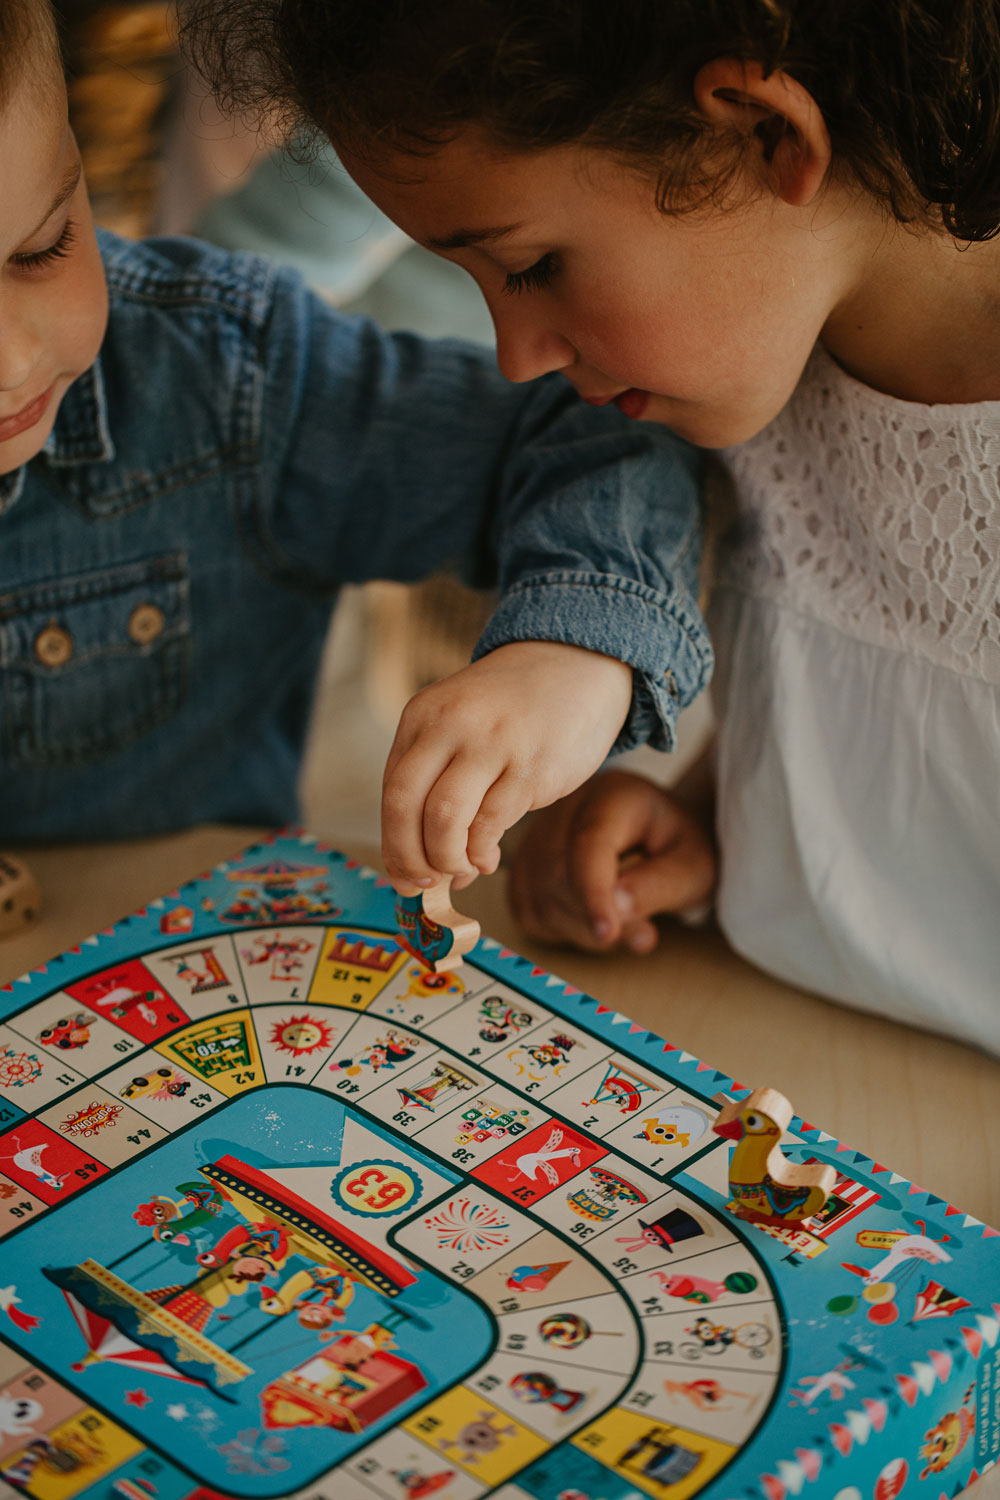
{"x": 301, "y": 1035}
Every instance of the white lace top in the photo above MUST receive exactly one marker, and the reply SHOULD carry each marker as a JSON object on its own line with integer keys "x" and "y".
{"x": 857, "y": 623}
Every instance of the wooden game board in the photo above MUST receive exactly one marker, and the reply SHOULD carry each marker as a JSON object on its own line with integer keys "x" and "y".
{"x": 281, "y": 1213}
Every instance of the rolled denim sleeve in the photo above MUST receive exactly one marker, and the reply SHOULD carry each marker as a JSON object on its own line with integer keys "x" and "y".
{"x": 391, "y": 456}
{"x": 603, "y": 551}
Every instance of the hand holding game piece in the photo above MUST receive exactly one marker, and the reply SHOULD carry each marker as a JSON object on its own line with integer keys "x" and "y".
{"x": 516, "y": 730}
{"x": 766, "y": 1188}
{"x": 20, "y": 897}
{"x": 432, "y": 930}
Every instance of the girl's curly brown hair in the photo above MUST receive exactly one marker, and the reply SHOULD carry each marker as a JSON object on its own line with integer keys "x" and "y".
{"x": 910, "y": 89}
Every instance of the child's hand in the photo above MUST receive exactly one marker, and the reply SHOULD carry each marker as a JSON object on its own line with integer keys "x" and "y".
{"x": 473, "y": 753}
{"x": 568, "y": 882}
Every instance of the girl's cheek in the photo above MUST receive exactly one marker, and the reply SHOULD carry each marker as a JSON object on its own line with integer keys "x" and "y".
{"x": 90, "y": 295}
{"x": 603, "y": 343}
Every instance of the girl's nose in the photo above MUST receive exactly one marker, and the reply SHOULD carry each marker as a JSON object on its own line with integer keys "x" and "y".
{"x": 18, "y": 354}
{"x": 527, "y": 348}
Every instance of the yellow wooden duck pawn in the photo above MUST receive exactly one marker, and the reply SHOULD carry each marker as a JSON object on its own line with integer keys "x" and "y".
{"x": 766, "y": 1188}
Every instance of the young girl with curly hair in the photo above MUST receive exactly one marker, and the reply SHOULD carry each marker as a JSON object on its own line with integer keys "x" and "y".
{"x": 770, "y": 225}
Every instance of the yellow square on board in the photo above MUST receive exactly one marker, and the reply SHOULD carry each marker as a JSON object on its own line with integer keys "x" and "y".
{"x": 94, "y": 1443}
{"x": 354, "y": 966}
{"x": 657, "y": 1457}
{"x": 221, "y": 1051}
{"x": 468, "y": 1430}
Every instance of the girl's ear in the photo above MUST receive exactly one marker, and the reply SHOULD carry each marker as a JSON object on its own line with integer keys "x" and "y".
{"x": 780, "y": 116}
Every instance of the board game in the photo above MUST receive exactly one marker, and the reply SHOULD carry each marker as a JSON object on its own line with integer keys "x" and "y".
{"x": 284, "y": 1213}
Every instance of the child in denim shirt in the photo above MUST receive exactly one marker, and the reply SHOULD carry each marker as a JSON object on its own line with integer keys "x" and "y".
{"x": 195, "y": 453}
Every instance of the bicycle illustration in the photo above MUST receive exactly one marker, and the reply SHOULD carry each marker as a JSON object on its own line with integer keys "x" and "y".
{"x": 715, "y": 1338}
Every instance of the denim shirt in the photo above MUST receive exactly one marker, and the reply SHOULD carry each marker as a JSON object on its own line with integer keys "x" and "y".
{"x": 239, "y": 451}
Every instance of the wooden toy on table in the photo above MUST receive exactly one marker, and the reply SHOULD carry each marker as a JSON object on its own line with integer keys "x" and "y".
{"x": 20, "y": 898}
{"x": 765, "y": 1187}
{"x": 432, "y": 930}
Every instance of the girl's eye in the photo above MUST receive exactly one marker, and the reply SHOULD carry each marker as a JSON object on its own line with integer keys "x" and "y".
{"x": 37, "y": 260}
{"x": 532, "y": 279}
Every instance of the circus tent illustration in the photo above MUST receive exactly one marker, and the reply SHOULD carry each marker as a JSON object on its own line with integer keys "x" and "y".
{"x": 168, "y": 1323}
{"x": 107, "y": 1344}
{"x": 171, "y": 1342}
{"x": 935, "y": 1301}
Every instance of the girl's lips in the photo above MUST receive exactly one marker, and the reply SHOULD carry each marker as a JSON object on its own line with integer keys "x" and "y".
{"x": 12, "y": 427}
{"x": 632, "y": 403}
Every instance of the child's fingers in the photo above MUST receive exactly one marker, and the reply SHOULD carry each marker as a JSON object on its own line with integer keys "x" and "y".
{"x": 543, "y": 907}
{"x": 677, "y": 879}
{"x": 640, "y": 937}
{"x": 504, "y": 804}
{"x": 538, "y": 889}
{"x": 450, "y": 808}
{"x": 567, "y": 881}
{"x": 406, "y": 736}
{"x": 404, "y": 790}
{"x": 613, "y": 820}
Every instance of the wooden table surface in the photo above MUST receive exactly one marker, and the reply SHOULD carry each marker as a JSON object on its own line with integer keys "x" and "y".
{"x": 928, "y": 1107}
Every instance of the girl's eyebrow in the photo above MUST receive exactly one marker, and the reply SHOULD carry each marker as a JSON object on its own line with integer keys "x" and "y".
{"x": 66, "y": 189}
{"x": 462, "y": 238}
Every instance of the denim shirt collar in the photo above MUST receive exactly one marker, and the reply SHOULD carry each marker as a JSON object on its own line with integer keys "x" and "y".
{"x": 80, "y": 434}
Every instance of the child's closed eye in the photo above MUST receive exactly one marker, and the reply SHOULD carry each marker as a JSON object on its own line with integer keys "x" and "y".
{"x": 533, "y": 278}
{"x": 37, "y": 260}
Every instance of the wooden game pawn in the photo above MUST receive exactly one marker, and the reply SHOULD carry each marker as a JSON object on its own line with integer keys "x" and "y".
{"x": 432, "y": 930}
{"x": 766, "y": 1188}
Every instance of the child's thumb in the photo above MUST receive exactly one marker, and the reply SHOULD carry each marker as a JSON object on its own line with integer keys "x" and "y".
{"x": 677, "y": 881}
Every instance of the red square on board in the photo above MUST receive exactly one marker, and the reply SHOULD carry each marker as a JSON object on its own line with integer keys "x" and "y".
{"x": 129, "y": 996}
{"x": 537, "y": 1163}
{"x": 45, "y": 1163}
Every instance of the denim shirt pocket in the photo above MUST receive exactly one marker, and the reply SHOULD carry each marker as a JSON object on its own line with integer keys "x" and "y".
{"x": 91, "y": 662}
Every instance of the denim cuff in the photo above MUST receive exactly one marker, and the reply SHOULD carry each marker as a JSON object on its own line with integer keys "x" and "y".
{"x": 661, "y": 638}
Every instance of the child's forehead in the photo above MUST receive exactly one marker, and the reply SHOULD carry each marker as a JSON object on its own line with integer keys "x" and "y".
{"x": 470, "y": 158}
{"x": 29, "y": 51}
{"x": 37, "y": 151}
{"x": 469, "y": 189}
{"x": 33, "y": 95}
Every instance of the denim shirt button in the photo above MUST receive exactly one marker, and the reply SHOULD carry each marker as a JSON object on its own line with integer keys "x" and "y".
{"x": 53, "y": 646}
{"x": 145, "y": 623}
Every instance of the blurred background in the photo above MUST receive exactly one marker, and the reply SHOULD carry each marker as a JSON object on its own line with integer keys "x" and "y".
{"x": 160, "y": 159}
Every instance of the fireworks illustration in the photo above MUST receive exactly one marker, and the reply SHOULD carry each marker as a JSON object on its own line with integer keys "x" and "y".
{"x": 463, "y": 1225}
{"x": 254, "y": 1452}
